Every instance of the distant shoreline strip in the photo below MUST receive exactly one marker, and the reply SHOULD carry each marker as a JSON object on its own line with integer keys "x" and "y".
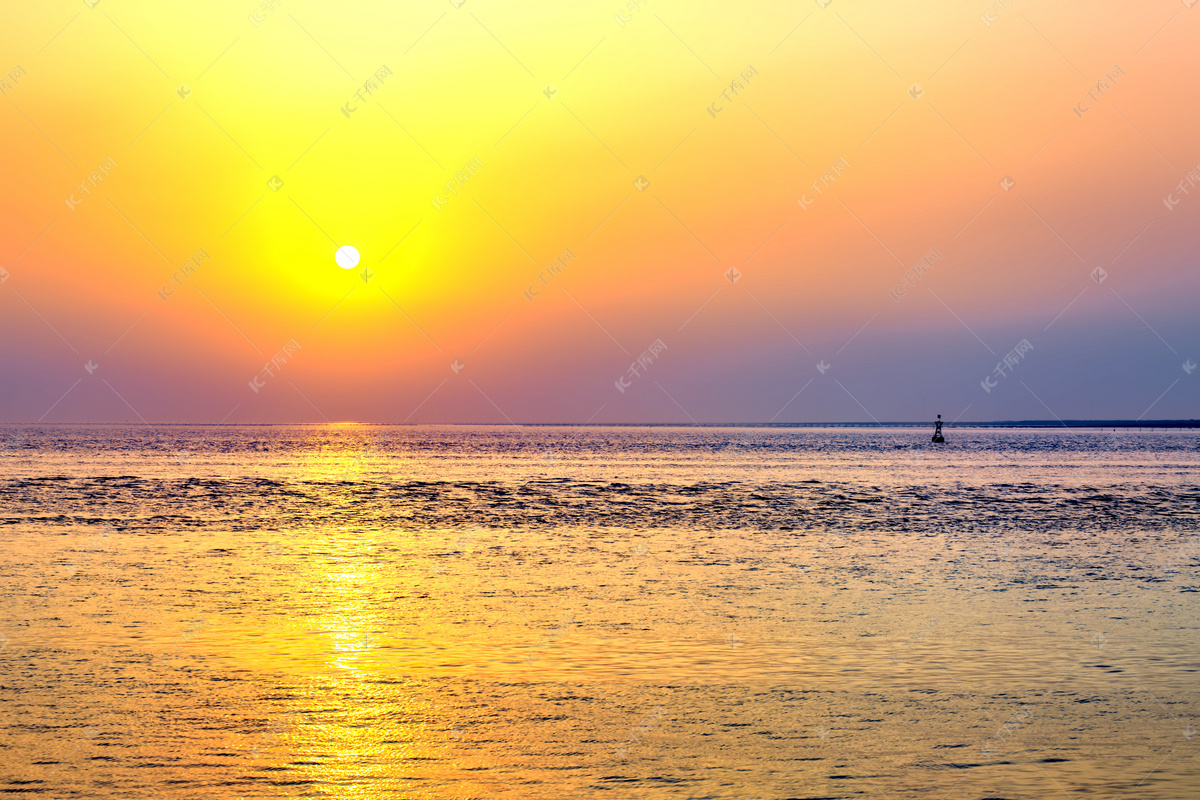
{"x": 1011, "y": 424}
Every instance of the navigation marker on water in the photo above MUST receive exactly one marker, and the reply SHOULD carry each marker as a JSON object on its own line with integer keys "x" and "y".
{"x": 937, "y": 432}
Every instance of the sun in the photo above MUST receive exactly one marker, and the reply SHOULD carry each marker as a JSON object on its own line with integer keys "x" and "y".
{"x": 346, "y": 257}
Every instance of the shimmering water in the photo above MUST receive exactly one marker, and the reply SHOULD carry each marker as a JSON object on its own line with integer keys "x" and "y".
{"x": 368, "y": 612}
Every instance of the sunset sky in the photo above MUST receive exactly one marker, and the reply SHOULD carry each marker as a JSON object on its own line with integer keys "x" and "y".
{"x": 658, "y": 164}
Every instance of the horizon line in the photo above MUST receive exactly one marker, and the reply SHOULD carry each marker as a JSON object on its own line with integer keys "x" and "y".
{"x": 1056, "y": 423}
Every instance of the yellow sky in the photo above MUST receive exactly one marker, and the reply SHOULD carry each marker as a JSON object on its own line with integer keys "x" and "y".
{"x": 653, "y": 147}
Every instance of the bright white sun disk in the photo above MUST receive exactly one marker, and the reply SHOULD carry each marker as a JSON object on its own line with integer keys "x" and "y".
{"x": 346, "y": 257}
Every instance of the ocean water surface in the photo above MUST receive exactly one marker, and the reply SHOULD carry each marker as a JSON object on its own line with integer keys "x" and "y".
{"x": 367, "y": 611}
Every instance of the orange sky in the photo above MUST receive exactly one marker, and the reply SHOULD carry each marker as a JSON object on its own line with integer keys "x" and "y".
{"x": 1027, "y": 146}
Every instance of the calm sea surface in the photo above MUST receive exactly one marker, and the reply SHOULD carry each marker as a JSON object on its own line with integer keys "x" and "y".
{"x": 366, "y": 611}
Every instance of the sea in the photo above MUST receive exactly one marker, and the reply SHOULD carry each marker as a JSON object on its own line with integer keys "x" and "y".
{"x": 371, "y": 611}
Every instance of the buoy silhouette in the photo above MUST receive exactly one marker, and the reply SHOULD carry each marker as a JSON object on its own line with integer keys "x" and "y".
{"x": 937, "y": 432}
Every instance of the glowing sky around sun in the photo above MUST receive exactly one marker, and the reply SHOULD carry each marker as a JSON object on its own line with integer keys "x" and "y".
{"x": 598, "y": 211}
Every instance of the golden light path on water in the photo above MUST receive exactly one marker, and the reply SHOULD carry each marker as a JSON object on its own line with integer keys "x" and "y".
{"x": 332, "y": 611}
